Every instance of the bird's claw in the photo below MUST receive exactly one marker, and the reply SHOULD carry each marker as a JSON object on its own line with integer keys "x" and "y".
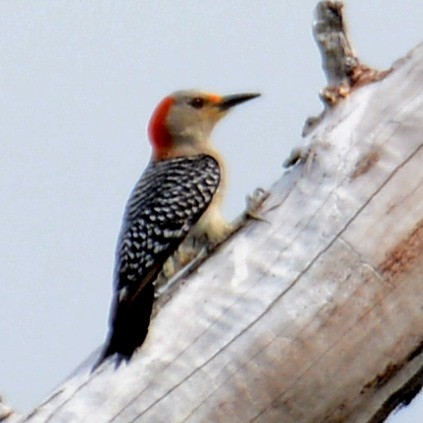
{"x": 254, "y": 203}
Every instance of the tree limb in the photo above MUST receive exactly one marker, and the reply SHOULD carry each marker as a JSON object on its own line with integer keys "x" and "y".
{"x": 315, "y": 316}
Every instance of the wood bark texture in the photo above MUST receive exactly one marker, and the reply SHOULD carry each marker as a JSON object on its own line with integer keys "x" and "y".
{"x": 313, "y": 315}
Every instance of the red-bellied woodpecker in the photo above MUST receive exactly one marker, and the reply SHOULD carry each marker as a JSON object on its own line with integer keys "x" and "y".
{"x": 177, "y": 196}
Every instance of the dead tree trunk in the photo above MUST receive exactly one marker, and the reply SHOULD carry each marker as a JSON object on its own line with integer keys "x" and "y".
{"x": 313, "y": 315}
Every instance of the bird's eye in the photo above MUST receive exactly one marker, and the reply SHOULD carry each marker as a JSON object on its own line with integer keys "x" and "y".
{"x": 197, "y": 102}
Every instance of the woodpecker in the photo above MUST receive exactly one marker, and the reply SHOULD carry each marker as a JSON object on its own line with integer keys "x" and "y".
{"x": 177, "y": 196}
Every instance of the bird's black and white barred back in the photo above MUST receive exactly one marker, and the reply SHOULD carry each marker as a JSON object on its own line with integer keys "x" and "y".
{"x": 168, "y": 200}
{"x": 164, "y": 205}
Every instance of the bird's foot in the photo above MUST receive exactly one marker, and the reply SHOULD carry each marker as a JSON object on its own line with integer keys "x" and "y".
{"x": 254, "y": 204}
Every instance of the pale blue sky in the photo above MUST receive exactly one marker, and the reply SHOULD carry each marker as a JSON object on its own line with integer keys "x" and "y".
{"x": 78, "y": 81}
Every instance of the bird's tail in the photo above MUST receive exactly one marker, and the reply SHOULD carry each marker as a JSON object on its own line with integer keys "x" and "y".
{"x": 129, "y": 326}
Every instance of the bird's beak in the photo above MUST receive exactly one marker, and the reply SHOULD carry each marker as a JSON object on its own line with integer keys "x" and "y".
{"x": 230, "y": 101}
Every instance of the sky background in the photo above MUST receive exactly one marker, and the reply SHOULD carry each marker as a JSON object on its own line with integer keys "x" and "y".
{"x": 78, "y": 82}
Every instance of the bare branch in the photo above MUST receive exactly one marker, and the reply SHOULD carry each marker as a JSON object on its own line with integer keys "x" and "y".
{"x": 313, "y": 315}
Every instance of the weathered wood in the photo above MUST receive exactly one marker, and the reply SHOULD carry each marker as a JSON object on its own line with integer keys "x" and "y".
{"x": 314, "y": 315}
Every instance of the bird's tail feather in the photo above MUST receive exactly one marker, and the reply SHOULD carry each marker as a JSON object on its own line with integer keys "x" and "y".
{"x": 129, "y": 326}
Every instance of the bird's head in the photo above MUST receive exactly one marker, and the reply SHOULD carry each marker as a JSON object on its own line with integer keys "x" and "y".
{"x": 182, "y": 123}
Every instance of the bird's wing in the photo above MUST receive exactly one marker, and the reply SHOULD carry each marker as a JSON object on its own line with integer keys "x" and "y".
{"x": 165, "y": 204}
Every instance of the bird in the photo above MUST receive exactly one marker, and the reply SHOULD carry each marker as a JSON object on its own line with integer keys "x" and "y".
{"x": 177, "y": 197}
